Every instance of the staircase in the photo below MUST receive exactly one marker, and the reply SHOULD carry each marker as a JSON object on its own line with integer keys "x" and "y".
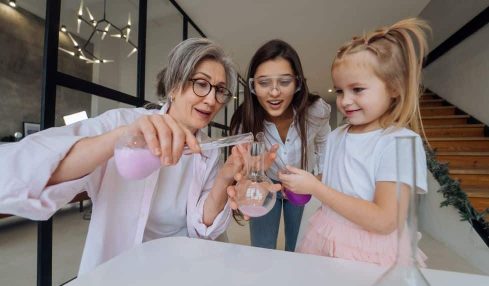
{"x": 460, "y": 141}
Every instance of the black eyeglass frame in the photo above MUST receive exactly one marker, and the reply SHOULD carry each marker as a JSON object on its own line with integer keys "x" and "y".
{"x": 223, "y": 100}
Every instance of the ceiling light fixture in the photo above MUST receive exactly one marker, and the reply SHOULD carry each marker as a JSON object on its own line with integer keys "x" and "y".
{"x": 12, "y": 3}
{"x": 96, "y": 27}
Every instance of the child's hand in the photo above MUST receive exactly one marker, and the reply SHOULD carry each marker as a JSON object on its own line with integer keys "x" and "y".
{"x": 299, "y": 181}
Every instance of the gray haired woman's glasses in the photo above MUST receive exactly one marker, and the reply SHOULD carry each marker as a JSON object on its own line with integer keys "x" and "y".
{"x": 202, "y": 87}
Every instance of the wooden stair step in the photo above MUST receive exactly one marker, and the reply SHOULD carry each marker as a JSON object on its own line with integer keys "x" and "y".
{"x": 479, "y": 198}
{"x": 480, "y": 204}
{"x": 425, "y": 96}
{"x": 460, "y": 130}
{"x": 460, "y": 144}
{"x": 431, "y": 102}
{"x": 444, "y": 120}
{"x": 477, "y": 192}
{"x": 464, "y": 159}
{"x": 438, "y": 110}
{"x": 469, "y": 171}
{"x": 469, "y": 178}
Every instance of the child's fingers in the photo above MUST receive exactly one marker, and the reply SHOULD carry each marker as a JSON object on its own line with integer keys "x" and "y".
{"x": 294, "y": 170}
{"x": 275, "y": 187}
{"x": 284, "y": 177}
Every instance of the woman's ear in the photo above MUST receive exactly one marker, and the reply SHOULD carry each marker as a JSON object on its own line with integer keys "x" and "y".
{"x": 173, "y": 94}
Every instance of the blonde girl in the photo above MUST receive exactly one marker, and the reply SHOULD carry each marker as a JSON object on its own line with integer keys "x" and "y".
{"x": 377, "y": 81}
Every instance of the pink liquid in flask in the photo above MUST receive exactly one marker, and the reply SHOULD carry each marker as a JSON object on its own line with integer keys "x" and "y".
{"x": 136, "y": 163}
{"x": 253, "y": 211}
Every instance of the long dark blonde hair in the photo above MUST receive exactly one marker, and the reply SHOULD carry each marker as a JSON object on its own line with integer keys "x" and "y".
{"x": 400, "y": 50}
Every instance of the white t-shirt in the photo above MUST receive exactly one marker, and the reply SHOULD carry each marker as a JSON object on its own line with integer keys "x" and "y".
{"x": 355, "y": 162}
{"x": 168, "y": 212}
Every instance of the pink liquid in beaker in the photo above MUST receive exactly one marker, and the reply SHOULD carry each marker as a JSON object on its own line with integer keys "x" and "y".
{"x": 135, "y": 163}
{"x": 297, "y": 199}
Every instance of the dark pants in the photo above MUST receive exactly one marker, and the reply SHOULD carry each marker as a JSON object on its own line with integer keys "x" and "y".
{"x": 264, "y": 230}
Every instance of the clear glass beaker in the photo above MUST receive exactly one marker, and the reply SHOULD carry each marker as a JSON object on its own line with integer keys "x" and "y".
{"x": 255, "y": 196}
{"x": 405, "y": 270}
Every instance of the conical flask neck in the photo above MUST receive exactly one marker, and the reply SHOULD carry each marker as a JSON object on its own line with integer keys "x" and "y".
{"x": 256, "y": 162}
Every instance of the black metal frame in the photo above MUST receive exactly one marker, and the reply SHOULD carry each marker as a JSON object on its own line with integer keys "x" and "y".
{"x": 48, "y": 103}
{"x": 466, "y": 31}
{"x": 52, "y": 78}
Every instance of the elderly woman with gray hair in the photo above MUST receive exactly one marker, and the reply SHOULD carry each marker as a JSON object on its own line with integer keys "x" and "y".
{"x": 187, "y": 197}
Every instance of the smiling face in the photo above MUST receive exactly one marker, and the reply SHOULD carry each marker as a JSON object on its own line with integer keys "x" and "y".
{"x": 192, "y": 111}
{"x": 275, "y": 84}
{"x": 362, "y": 96}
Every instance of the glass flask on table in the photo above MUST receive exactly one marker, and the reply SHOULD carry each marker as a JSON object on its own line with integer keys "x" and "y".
{"x": 405, "y": 270}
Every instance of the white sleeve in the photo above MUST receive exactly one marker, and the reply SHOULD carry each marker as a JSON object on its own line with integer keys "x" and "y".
{"x": 319, "y": 116}
{"x": 387, "y": 167}
{"x": 26, "y": 167}
{"x": 222, "y": 219}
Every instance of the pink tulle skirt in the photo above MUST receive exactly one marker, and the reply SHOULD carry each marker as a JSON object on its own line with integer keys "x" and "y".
{"x": 330, "y": 234}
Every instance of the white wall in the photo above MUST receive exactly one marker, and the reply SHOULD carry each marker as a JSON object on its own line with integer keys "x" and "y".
{"x": 447, "y": 16}
{"x": 461, "y": 75}
{"x": 444, "y": 225}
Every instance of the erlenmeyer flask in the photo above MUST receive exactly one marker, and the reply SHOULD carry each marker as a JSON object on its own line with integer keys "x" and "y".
{"x": 294, "y": 198}
{"x": 405, "y": 270}
{"x": 133, "y": 159}
{"x": 254, "y": 195}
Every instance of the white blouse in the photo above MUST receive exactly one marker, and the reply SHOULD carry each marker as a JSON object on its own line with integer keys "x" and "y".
{"x": 289, "y": 152}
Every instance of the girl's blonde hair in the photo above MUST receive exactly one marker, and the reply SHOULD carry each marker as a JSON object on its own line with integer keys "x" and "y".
{"x": 399, "y": 50}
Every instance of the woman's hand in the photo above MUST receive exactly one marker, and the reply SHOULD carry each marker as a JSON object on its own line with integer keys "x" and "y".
{"x": 234, "y": 164}
{"x": 165, "y": 137}
{"x": 270, "y": 156}
{"x": 233, "y": 191}
{"x": 299, "y": 181}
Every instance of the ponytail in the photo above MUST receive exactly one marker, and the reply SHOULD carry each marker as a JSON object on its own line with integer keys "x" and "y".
{"x": 400, "y": 50}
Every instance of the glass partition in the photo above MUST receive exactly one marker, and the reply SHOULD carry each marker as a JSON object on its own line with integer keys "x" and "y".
{"x": 192, "y": 32}
{"x": 98, "y": 42}
{"x": 21, "y": 59}
{"x": 69, "y": 101}
{"x": 164, "y": 32}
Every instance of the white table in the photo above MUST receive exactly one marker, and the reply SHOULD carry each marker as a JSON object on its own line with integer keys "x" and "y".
{"x": 186, "y": 261}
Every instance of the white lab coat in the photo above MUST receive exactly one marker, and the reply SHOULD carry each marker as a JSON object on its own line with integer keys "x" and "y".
{"x": 120, "y": 207}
